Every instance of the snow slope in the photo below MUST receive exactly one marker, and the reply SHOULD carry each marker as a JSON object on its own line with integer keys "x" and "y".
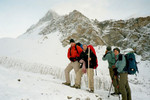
{"x": 35, "y": 49}
{"x": 44, "y": 58}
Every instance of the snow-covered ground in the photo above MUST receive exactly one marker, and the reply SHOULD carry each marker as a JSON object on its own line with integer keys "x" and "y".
{"x": 40, "y": 62}
{"x": 20, "y": 85}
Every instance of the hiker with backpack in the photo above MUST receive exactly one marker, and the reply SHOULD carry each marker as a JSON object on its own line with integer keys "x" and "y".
{"x": 120, "y": 65}
{"x": 110, "y": 57}
{"x": 84, "y": 59}
{"x": 73, "y": 55}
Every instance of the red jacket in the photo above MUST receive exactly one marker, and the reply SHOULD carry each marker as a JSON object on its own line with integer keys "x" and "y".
{"x": 74, "y": 53}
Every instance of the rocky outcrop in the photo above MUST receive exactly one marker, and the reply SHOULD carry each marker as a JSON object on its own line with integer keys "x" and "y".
{"x": 133, "y": 33}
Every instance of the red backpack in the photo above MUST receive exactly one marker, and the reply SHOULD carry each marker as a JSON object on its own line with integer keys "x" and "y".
{"x": 93, "y": 50}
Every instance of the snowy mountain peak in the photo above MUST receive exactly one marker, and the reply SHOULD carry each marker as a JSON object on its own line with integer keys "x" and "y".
{"x": 34, "y": 30}
{"x": 50, "y": 15}
{"x": 76, "y": 14}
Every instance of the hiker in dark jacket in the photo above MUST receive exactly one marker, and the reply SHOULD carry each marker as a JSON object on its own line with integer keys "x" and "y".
{"x": 83, "y": 69}
{"x": 110, "y": 57}
{"x": 120, "y": 65}
{"x": 84, "y": 56}
{"x": 73, "y": 55}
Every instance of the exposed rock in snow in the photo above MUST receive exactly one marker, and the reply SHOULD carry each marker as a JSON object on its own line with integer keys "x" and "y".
{"x": 133, "y": 33}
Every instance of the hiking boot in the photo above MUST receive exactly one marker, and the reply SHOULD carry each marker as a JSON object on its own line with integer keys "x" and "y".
{"x": 114, "y": 93}
{"x": 76, "y": 86}
{"x": 65, "y": 83}
{"x": 119, "y": 93}
{"x": 91, "y": 91}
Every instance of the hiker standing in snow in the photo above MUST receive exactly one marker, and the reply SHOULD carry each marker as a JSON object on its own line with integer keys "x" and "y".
{"x": 120, "y": 65}
{"x": 73, "y": 55}
{"x": 110, "y": 57}
{"x": 84, "y": 68}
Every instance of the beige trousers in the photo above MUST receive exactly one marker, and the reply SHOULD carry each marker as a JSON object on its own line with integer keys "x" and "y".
{"x": 90, "y": 73}
{"x": 72, "y": 65}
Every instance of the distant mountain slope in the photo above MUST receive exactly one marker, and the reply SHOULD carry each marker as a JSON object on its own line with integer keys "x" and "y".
{"x": 133, "y": 33}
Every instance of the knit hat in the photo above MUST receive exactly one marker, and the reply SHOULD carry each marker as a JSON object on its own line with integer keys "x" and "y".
{"x": 108, "y": 48}
{"x": 72, "y": 40}
{"x": 117, "y": 49}
{"x": 85, "y": 44}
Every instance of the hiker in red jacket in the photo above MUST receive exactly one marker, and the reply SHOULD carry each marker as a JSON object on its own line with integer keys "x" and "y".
{"x": 83, "y": 69}
{"x": 73, "y": 55}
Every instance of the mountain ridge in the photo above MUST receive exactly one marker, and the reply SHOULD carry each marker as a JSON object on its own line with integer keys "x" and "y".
{"x": 132, "y": 33}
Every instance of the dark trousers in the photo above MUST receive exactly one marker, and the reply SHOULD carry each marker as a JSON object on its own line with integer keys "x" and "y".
{"x": 114, "y": 80}
{"x": 124, "y": 87}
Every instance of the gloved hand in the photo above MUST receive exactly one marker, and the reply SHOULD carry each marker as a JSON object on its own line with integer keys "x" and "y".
{"x": 83, "y": 69}
{"x": 77, "y": 59}
{"x": 104, "y": 55}
{"x": 115, "y": 71}
{"x": 72, "y": 59}
{"x": 113, "y": 66}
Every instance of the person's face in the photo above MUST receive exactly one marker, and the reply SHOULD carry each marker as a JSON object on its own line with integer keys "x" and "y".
{"x": 116, "y": 52}
{"x": 84, "y": 47}
{"x": 72, "y": 44}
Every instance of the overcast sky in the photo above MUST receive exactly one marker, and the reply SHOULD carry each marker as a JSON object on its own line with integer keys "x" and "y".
{"x": 16, "y": 16}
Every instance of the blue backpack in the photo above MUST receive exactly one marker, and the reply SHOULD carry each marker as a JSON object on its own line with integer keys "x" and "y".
{"x": 131, "y": 64}
{"x": 79, "y": 44}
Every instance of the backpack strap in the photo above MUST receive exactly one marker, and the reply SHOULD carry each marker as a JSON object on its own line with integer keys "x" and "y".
{"x": 76, "y": 49}
{"x": 120, "y": 57}
{"x": 70, "y": 51}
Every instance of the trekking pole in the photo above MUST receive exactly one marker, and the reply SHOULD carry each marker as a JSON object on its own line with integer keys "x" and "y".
{"x": 96, "y": 71}
{"x": 111, "y": 86}
{"x": 119, "y": 96}
{"x": 88, "y": 68}
{"x": 118, "y": 86}
{"x": 109, "y": 90}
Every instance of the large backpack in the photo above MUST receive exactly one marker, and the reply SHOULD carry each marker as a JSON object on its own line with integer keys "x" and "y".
{"x": 131, "y": 64}
{"x": 79, "y": 44}
{"x": 93, "y": 50}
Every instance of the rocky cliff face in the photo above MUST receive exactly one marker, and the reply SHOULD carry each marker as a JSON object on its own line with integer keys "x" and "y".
{"x": 132, "y": 33}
